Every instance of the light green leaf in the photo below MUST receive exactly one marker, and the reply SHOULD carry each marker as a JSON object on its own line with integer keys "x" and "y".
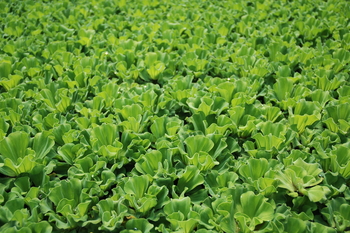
{"x": 69, "y": 190}
{"x": 268, "y": 142}
{"x": 106, "y": 134}
{"x": 340, "y": 111}
{"x": 137, "y": 186}
{"x": 22, "y": 165}
{"x": 256, "y": 207}
{"x": 190, "y": 179}
{"x": 41, "y": 227}
{"x": 318, "y": 193}
{"x": 322, "y": 97}
{"x": 197, "y": 144}
{"x": 155, "y": 70}
{"x": 150, "y": 59}
{"x": 203, "y": 161}
{"x": 5, "y": 69}
{"x": 303, "y": 107}
{"x": 182, "y": 205}
{"x": 111, "y": 214}
{"x": 165, "y": 125}
{"x": 254, "y": 169}
{"x": 70, "y": 152}
{"x": 300, "y": 177}
{"x": 134, "y": 110}
{"x": 275, "y": 129}
{"x": 150, "y": 163}
{"x": 320, "y": 228}
{"x": 302, "y": 121}
{"x": 295, "y": 225}
{"x": 272, "y": 113}
{"x": 42, "y": 144}
{"x": 139, "y": 224}
{"x": 226, "y": 90}
{"x": 340, "y": 160}
{"x": 283, "y": 88}
{"x": 15, "y": 146}
{"x": 11, "y": 82}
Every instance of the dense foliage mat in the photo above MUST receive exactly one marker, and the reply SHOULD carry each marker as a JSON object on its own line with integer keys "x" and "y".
{"x": 174, "y": 116}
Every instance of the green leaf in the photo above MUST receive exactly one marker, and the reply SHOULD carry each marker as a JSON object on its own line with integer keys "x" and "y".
{"x": 331, "y": 125}
{"x": 322, "y": 97}
{"x": 25, "y": 165}
{"x": 317, "y": 193}
{"x": 215, "y": 181}
{"x": 133, "y": 110}
{"x": 337, "y": 213}
{"x": 226, "y": 90}
{"x": 268, "y": 142}
{"x": 155, "y": 70}
{"x": 188, "y": 225}
{"x": 200, "y": 104}
{"x": 275, "y": 129}
{"x": 199, "y": 121}
{"x": 23, "y": 184}
{"x": 340, "y": 111}
{"x": 203, "y": 161}
{"x": 256, "y": 207}
{"x": 137, "y": 186}
{"x": 150, "y": 163}
{"x": 105, "y": 135}
{"x": 111, "y": 214}
{"x": 197, "y": 144}
{"x": 344, "y": 91}
{"x": 165, "y": 125}
{"x": 300, "y": 177}
{"x": 254, "y": 169}
{"x": 318, "y": 227}
{"x": 11, "y": 82}
{"x": 295, "y": 225}
{"x": 182, "y": 205}
{"x": 180, "y": 215}
{"x": 311, "y": 169}
{"x": 71, "y": 152}
{"x": 302, "y": 121}
{"x": 42, "y": 144}
{"x": 148, "y": 99}
{"x": 11, "y": 206}
{"x": 4, "y": 126}
{"x": 69, "y": 190}
{"x": 220, "y": 127}
{"x": 282, "y": 88}
{"x": 41, "y": 227}
{"x": 272, "y": 113}
{"x": 139, "y": 224}
{"x": 150, "y": 59}
{"x": 15, "y": 146}
{"x": 340, "y": 160}
{"x": 283, "y": 71}
{"x": 5, "y": 69}
{"x": 190, "y": 179}
{"x": 59, "y": 131}
{"x": 14, "y": 28}
{"x": 303, "y": 107}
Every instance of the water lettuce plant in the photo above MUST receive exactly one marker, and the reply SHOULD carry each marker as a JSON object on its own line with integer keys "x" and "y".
{"x": 174, "y": 116}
